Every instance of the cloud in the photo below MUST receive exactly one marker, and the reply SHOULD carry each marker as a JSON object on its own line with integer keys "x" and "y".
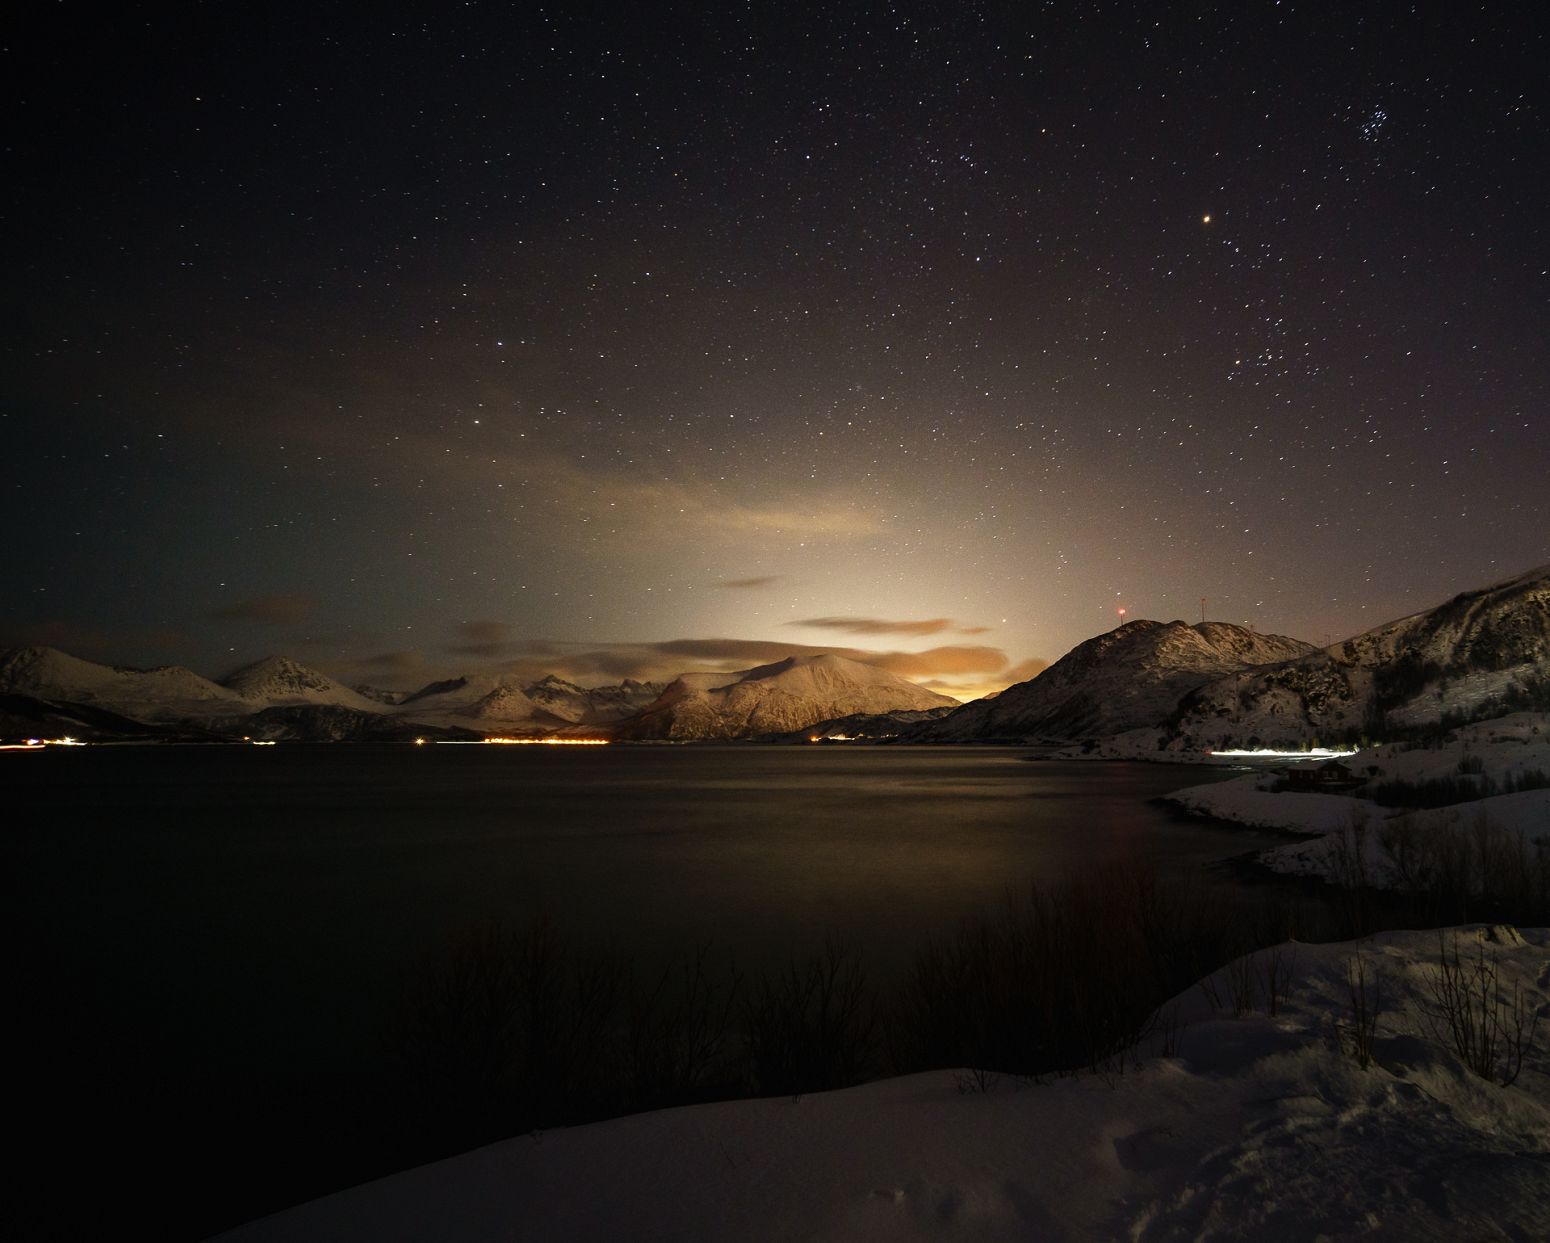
{"x": 278, "y": 610}
{"x": 658, "y": 661}
{"x": 976, "y": 686}
{"x": 485, "y": 639}
{"x": 400, "y": 662}
{"x": 973, "y": 630}
{"x": 95, "y": 644}
{"x": 594, "y": 664}
{"x": 876, "y": 625}
{"x": 743, "y": 584}
{"x": 1030, "y": 668}
{"x": 484, "y": 631}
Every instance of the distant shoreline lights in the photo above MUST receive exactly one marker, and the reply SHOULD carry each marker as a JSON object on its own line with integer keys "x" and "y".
{"x": 1313, "y": 753}
{"x": 517, "y": 742}
{"x": 37, "y": 744}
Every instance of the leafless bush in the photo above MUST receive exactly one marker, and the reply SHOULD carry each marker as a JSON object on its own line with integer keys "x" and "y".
{"x": 1058, "y": 978}
{"x": 812, "y": 1026}
{"x": 1279, "y": 965}
{"x": 1490, "y": 1028}
{"x": 1169, "y": 1030}
{"x": 977, "y": 1082}
{"x": 1351, "y": 874}
{"x": 512, "y": 1029}
{"x": 1242, "y": 979}
{"x": 1366, "y": 999}
{"x": 1479, "y": 869}
{"x": 679, "y": 1030}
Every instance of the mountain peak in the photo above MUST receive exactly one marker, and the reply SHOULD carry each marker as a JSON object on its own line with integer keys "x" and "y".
{"x": 785, "y": 695}
{"x": 1125, "y": 678}
{"x": 279, "y": 679}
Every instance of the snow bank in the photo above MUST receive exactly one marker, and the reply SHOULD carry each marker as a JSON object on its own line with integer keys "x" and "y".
{"x": 1501, "y": 751}
{"x": 1328, "y": 857}
{"x": 1244, "y": 801}
{"x": 1253, "y": 1127}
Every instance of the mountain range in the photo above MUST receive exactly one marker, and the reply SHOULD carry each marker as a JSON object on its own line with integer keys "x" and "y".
{"x": 1155, "y": 687}
{"x": 1173, "y": 687}
{"x": 45, "y": 690}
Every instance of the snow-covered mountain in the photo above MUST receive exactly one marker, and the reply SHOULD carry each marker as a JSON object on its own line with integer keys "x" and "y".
{"x": 595, "y": 706}
{"x": 166, "y": 693}
{"x": 495, "y": 697}
{"x": 278, "y": 680}
{"x": 1129, "y": 678}
{"x": 1483, "y": 653}
{"x": 787, "y": 695}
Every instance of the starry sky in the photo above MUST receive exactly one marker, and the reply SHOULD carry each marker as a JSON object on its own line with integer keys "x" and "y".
{"x": 620, "y": 340}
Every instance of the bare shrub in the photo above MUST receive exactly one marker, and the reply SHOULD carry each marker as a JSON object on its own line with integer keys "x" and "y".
{"x": 1481, "y": 869}
{"x": 811, "y": 1027}
{"x": 1169, "y": 1030}
{"x": 1366, "y": 999}
{"x": 1351, "y": 875}
{"x": 1242, "y": 978}
{"x": 1279, "y": 966}
{"x": 1490, "y": 1028}
{"x": 1058, "y": 978}
{"x": 679, "y": 1031}
{"x": 513, "y": 1029}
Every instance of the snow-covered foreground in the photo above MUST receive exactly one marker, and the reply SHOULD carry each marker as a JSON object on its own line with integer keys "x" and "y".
{"x": 1500, "y": 751}
{"x": 1251, "y": 1127}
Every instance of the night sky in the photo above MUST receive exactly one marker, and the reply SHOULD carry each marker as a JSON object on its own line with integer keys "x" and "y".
{"x": 623, "y": 341}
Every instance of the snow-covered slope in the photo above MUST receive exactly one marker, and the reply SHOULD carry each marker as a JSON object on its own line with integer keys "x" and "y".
{"x": 862, "y": 726}
{"x": 1129, "y": 678}
{"x": 1482, "y": 653}
{"x": 1254, "y": 1127}
{"x": 279, "y": 681}
{"x": 789, "y": 694}
{"x": 595, "y": 705}
{"x": 1502, "y": 759}
{"x": 166, "y": 693}
{"x": 494, "y": 697}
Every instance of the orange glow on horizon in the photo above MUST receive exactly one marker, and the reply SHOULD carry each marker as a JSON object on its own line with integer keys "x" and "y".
{"x": 549, "y": 742}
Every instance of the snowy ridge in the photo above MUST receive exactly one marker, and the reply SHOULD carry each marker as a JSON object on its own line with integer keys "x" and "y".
{"x": 1129, "y": 678}
{"x": 496, "y": 698}
{"x": 1255, "y": 1127}
{"x": 790, "y": 694}
{"x": 166, "y": 693}
{"x": 1452, "y": 659}
{"x": 277, "y": 680}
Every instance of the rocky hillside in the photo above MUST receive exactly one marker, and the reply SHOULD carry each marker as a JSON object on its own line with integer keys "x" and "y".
{"x": 1481, "y": 654}
{"x": 790, "y": 694}
{"x": 595, "y": 705}
{"x": 1131, "y": 677}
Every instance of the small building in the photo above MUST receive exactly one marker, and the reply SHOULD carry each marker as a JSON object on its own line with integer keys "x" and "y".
{"x": 1327, "y": 778}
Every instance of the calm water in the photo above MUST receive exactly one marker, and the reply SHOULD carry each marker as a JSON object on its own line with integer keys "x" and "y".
{"x": 179, "y": 916}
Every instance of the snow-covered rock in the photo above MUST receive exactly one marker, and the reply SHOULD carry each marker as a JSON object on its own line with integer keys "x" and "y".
{"x": 1482, "y": 648}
